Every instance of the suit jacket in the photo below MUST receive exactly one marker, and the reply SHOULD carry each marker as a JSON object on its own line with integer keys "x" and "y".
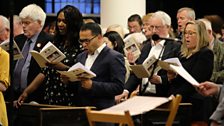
{"x": 218, "y": 114}
{"x": 171, "y": 50}
{"x": 109, "y": 68}
{"x": 34, "y": 68}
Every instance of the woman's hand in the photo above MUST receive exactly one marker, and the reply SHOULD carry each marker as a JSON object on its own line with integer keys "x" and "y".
{"x": 20, "y": 100}
{"x": 171, "y": 75}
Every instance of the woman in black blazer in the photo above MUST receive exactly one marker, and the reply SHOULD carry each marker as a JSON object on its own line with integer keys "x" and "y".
{"x": 197, "y": 59}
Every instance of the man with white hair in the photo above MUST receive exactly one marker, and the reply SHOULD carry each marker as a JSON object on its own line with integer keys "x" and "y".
{"x": 33, "y": 38}
{"x": 160, "y": 23}
{"x": 4, "y": 29}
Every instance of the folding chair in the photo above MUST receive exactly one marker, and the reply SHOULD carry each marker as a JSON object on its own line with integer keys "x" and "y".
{"x": 172, "y": 108}
{"x": 99, "y": 116}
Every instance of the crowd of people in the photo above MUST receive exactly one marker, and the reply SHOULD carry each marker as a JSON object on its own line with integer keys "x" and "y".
{"x": 199, "y": 49}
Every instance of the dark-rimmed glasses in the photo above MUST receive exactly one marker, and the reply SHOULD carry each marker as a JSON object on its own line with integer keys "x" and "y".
{"x": 86, "y": 40}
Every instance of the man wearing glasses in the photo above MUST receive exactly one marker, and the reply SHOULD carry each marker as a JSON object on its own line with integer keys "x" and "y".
{"x": 33, "y": 38}
{"x": 107, "y": 64}
{"x": 160, "y": 23}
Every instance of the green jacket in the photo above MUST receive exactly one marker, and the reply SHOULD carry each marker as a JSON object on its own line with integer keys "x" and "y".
{"x": 218, "y": 70}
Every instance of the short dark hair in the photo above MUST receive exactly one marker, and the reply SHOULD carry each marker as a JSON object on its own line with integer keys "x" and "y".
{"x": 93, "y": 27}
{"x": 135, "y": 17}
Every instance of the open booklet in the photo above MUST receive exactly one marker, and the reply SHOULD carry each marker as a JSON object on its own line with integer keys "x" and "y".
{"x": 16, "y": 51}
{"x": 49, "y": 53}
{"x": 131, "y": 46}
{"x": 172, "y": 64}
{"x": 78, "y": 71}
{"x": 145, "y": 70}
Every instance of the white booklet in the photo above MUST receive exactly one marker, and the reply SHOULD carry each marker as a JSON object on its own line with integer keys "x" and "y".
{"x": 49, "y": 53}
{"x": 131, "y": 47}
{"x": 78, "y": 71}
{"x": 17, "y": 54}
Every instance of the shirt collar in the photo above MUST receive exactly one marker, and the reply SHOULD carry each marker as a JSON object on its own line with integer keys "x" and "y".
{"x": 34, "y": 38}
{"x": 99, "y": 49}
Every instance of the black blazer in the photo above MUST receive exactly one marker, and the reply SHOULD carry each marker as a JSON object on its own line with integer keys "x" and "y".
{"x": 171, "y": 49}
{"x": 109, "y": 81}
{"x": 200, "y": 66}
{"x": 34, "y": 68}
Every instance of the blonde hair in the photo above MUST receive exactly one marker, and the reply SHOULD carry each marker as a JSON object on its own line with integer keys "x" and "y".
{"x": 202, "y": 39}
{"x": 118, "y": 28}
{"x": 147, "y": 16}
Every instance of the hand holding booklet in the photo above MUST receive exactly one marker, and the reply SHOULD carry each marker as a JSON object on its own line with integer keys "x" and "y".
{"x": 78, "y": 71}
{"x": 16, "y": 51}
{"x": 49, "y": 53}
{"x": 145, "y": 70}
{"x": 131, "y": 47}
{"x": 173, "y": 64}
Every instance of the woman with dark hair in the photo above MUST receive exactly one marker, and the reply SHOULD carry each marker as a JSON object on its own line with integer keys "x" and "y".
{"x": 68, "y": 23}
{"x": 114, "y": 41}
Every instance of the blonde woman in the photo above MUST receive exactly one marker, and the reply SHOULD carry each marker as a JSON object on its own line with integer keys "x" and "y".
{"x": 197, "y": 59}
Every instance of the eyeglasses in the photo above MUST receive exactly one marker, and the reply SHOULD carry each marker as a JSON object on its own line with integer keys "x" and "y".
{"x": 27, "y": 22}
{"x": 86, "y": 40}
{"x": 190, "y": 33}
{"x": 151, "y": 27}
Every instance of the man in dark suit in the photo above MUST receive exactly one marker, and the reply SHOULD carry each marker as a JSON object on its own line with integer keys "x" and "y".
{"x": 26, "y": 69}
{"x": 160, "y": 24}
{"x": 107, "y": 64}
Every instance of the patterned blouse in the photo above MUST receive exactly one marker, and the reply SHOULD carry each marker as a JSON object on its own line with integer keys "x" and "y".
{"x": 55, "y": 92}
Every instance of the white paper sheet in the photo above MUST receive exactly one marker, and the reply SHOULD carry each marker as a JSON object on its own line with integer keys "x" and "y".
{"x": 137, "y": 105}
{"x": 182, "y": 72}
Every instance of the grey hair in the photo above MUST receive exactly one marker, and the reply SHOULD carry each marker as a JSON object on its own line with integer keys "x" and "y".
{"x": 191, "y": 13}
{"x": 207, "y": 23}
{"x": 5, "y": 22}
{"x": 165, "y": 18}
{"x": 34, "y": 12}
